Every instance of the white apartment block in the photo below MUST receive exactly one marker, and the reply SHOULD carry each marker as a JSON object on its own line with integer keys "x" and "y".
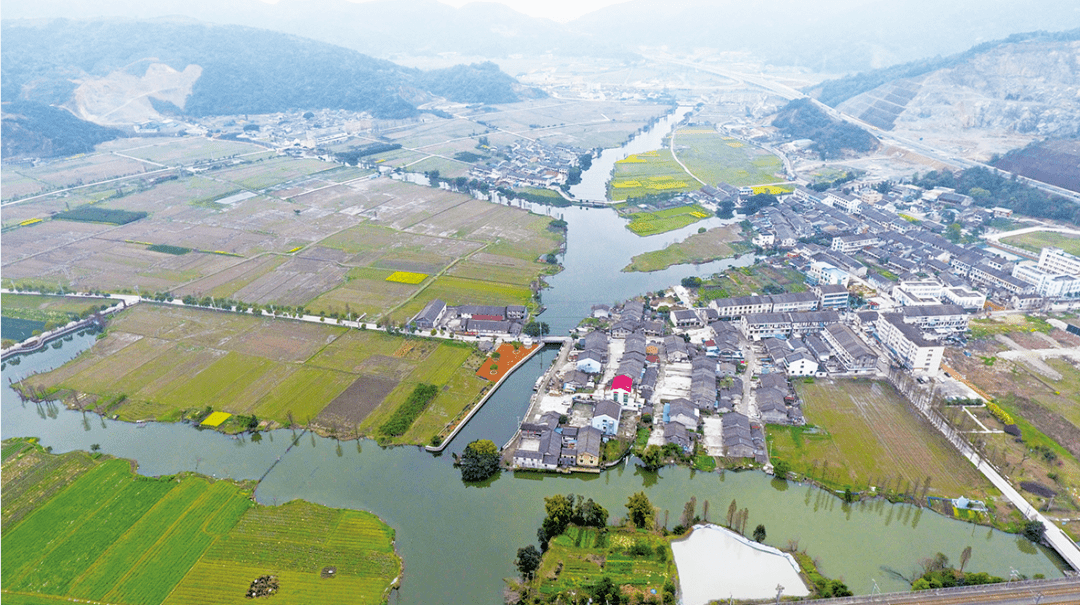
{"x": 970, "y": 300}
{"x": 1059, "y": 262}
{"x": 1047, "y": 283}
{"x": 908, "y": 344}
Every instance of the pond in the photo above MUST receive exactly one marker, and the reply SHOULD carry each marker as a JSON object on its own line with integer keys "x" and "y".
{"x": 715, "y": 563}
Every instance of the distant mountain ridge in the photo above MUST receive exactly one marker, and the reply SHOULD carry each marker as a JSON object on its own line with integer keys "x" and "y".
{"x": 1027, "y": 84}
{"x": 841, "y": 36}
{"x": 115, "y": 72}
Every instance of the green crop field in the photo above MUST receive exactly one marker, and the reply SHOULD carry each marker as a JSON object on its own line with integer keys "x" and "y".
{"x": 168, "y": 363}
{"x": 649, "y": 173}
{"x": 714, "y": 244}
{"x": 111, "y": 536}
{"x": 661, "y": 221}
{"x": 578, "y": 552}
{"x": 1037, "y": 240}
{"x": 760, "y": 279}
{"x": 49, "y": 308}
{"x": 714, "y": 158}
{"x": 866, "y": 435}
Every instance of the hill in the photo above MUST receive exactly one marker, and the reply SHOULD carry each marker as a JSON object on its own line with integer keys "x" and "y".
{"x": 1023, "y": 84}
{"x": 802, "y": 119}
{"x": 122, "y": 72}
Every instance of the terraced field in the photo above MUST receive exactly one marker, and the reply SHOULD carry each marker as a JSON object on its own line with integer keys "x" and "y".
{"x": 103, "y": 534}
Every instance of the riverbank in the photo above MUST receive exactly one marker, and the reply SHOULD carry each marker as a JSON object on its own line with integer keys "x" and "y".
{"x": 85, "y": 526}
{"x": 714, "y": 244}
{"x": 169, "y": 363}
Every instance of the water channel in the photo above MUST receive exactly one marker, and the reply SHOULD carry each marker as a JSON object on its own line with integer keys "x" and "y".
{"x": 458, "y": 541}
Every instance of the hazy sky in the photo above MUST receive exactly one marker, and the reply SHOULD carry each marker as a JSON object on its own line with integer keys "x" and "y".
{"x": 556, "y": 10}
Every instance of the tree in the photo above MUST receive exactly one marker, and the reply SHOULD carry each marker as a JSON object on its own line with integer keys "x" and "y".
{"x": 560, "y": 512}
{"x": 536, "y": 329}
{"x": 640, "y": 509}
{"x": 691, "y": 282}
{"x": 759, "y": 533}
{"x": 652, "y": 457}
{"x": 1034, "y": 531}
{"x": 589, "y": 514}
{"x": 605, "y": 591}
{"x": 952, "y": 232}
{"x": 781, "y": 468}
{"x": 528, "y": 561}
{"x": 479, "y": 461}
{"x": 94, "y": 447}
{"x": 964, "y": 557}
{"x": 725, "y": 210}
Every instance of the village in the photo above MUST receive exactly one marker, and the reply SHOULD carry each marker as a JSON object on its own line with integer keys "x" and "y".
{"x": 704, "y": 374}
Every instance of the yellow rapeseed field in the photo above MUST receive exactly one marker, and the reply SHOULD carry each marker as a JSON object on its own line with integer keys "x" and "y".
{"x": 407, "y": 277}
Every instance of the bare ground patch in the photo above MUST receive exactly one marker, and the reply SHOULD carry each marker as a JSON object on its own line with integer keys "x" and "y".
{"x": 356, "y": 402}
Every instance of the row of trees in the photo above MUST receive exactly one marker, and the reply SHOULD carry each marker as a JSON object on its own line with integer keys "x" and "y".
{"x": 990, "y": 189}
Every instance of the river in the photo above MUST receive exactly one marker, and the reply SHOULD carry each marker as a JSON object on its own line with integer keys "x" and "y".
{"x": 593, "y": 185}
{"x": 458, "y": 541}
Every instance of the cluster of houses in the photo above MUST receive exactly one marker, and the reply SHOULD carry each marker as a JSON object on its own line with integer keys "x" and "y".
{"x": 862, "y": 232}
{"x": 528, "y": 164}
{"x": 472, "y": 320}
{"x": 552, "y": 443}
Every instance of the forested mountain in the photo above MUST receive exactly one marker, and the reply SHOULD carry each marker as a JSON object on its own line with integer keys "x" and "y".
{"x": 199, "y": 69}
{"x": 41, "y": 130}
{"x": 802, "y": 119}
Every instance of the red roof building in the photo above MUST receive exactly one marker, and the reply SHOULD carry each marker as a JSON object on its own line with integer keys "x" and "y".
{"x": 622, "y": 382}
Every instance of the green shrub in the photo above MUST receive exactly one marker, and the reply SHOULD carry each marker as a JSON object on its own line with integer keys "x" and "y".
{"x": 407, "y": 412}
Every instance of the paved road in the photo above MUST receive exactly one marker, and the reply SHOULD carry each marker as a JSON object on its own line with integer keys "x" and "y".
{"x": 997, "y": 236}
{"x": 1055, "y": 536}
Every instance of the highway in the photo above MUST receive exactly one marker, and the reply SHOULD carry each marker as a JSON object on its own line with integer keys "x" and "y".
{"x": 889, "y": 138}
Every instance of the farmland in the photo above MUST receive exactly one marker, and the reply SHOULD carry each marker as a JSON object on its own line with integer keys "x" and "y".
{"x": 649, "y": 173}
{"x": 714, "y": 244}
{"x": 582, "y": 556}
{"x": 1037, "y": 240}
{"x": 1042, "y": 400}
{"x": 25, "y": 313}
{"x": 645, "y": 223}
{"x": 744, "y": 281}
{"x": 89, "y": 528}
{"x": 864, "y": 435}
{"x": 715, "y": 158}
{"x": 309, "y": 233}
{"x": 169, "y": 363}
{"x": 707, "y": 155}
